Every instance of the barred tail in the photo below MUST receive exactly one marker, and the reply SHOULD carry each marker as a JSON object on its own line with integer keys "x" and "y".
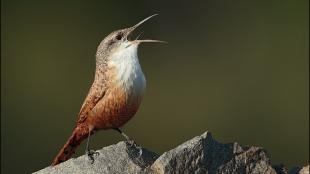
{"x": 78, "y": 135}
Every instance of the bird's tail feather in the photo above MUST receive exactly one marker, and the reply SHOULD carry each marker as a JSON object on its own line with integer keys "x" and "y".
{"x": 79, "y": 134}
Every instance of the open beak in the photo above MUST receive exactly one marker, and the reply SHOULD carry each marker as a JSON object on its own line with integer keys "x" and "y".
{"x": 131, "y": 29}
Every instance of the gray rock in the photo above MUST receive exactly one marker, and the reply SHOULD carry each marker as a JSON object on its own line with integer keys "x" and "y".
{"x": 119, "y": 158}
{"x": 304, "y": 170}
{"x": 201, "y": 154}
{"x": 299, "y": 170}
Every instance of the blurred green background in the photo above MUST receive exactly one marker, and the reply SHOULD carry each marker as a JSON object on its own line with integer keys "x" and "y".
{"x": 236, "y": 68}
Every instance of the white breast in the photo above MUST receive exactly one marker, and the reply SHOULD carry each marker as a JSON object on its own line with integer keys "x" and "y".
{"x": 129, "y": 74}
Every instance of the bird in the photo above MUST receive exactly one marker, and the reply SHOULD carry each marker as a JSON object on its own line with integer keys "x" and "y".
{"x": 115, "y": 94}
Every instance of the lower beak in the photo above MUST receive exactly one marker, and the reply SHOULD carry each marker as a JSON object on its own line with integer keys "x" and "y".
{"x": 147, "y": 40}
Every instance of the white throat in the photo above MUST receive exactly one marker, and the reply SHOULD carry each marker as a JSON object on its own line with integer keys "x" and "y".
{"x": 129, "y": 74}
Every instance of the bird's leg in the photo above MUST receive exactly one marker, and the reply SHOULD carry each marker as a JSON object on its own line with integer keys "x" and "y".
{"x": 130, "y": 140}
{"x": 90, "y": 153}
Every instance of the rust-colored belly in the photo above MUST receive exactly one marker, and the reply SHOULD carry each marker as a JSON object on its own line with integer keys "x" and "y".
{"x": 114, "y": 110}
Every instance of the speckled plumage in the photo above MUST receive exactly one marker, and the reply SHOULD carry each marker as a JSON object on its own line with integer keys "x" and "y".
{"x": 116, "y": 92}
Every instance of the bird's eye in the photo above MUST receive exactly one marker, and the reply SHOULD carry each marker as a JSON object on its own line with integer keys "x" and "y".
{"x": 119, "y": 36}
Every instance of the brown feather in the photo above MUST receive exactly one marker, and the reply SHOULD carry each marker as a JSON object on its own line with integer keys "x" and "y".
{"x": 78, "y": 135}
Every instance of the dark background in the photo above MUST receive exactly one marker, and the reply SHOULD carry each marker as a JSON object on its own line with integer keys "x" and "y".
{"x": 236, "y": 68}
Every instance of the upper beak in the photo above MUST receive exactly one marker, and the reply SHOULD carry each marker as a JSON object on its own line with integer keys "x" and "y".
{"x": 131, "y": 29}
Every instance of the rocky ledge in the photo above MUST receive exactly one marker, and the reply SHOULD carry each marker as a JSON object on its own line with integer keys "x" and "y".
{"x": 202, "y": 154}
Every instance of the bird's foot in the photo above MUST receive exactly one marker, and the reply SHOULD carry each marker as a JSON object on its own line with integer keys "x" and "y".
{"x": 91, "y": 155}
{"x": 132, "y": 143}
{"x": 140, "y": 151}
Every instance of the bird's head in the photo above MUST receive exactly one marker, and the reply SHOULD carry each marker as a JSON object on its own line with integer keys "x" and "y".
{"x": 119, "y": 41}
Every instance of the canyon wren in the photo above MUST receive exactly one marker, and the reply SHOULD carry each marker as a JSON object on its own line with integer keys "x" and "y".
{"x": 115, "y": 94}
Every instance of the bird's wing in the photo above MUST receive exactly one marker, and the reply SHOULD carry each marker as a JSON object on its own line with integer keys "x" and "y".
{"x": 95, "y": 94}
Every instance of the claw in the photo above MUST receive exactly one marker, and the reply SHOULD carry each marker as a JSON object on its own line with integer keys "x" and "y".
{"x": 91, "y": 154}
{"x": 140, "y": 152}
{"x": 132, "y": 143}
